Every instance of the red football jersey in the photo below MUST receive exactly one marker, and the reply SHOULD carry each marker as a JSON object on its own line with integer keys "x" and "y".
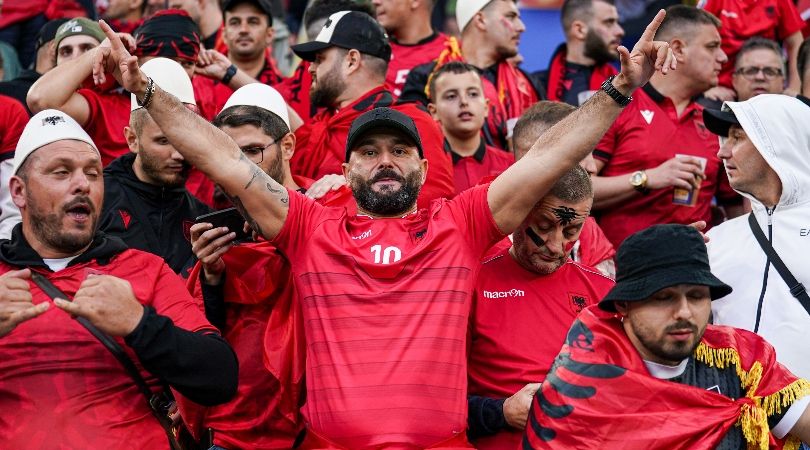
{"x": 61, "y": 388}
{"x": 385, "y": 304}
{"x": 594, "y": 247}
{"x": 486, "y": 162}
{"x": 518, "y": 325}
{"x": 109, "y": 114}
{"x": 13, "y": 118}
{"x": 647, "y": 133}
{"x": 406, "y": 57}
{"x": 744, "y": 19}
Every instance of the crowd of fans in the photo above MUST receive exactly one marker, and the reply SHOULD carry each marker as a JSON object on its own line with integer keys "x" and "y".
{"x": 330, "y": 224}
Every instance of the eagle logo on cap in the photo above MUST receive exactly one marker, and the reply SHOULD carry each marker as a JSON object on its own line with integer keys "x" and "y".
{"x": 53, "y": 120}
{"x": 328, "y": 23}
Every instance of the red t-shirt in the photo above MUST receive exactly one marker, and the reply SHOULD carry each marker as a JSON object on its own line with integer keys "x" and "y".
{"x": 486, "y": 162}
{"x": 594, "y": 247}
{"x": 61, "y": 388}
{"x": 519, "y": 322}
{"x": 295, "y": 91}
{"x": 109, "y": 114}
{"x": 406, "y": 57}
{"x": 744, "y": 19}
{"x": 13, "y": 118}
{"x": 385, "y": 304}
{"x": 646, "y": 134}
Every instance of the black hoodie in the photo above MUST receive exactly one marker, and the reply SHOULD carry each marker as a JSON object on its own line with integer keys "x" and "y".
{"x": 151, "y": 218}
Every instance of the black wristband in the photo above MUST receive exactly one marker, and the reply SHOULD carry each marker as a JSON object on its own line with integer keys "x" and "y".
{"x": 614, "y": 93}
{"x": 229, "y": 74}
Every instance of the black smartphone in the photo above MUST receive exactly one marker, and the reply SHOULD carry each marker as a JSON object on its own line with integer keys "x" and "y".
{"x": 229, "y": 218}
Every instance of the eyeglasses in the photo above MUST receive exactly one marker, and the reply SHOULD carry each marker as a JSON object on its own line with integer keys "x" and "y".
{"x": 751, "y": 72}
{"x": 255, "y": 151}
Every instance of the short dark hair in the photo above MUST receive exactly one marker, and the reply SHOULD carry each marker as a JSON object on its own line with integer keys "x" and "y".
{"x": 239, "y": 115}
{"x": 577, "y": 10}
{"x": 322, "y": 9}
{"x": 573, "y": 186}
{"x": 25, "y": 167}
{"x": 457, "y": 67}
{"x": 804, "y": 58}
{"x": 680, "y": 19}
{"x": 757, "y": 43}
{"x": 535, "y": 121}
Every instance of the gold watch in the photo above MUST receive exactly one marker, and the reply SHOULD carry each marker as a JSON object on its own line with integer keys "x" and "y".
{"x": 638, "y": 180}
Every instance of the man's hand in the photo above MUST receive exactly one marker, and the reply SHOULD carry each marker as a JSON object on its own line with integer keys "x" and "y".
{"x": 209, "y": 244}
{"x": 212, "y": 64}
{"x": 116, "y": 60}
{"x": 16, "y": 305}
{"x": 331, "y": 182}
{"x": 107, "y": 302}
{"x": 700, "y": 225}
{"x": 721, "y": 94}
{"x": 680, "y": 172}
{"x": 516, "y": 408}
{"x": 647, "y": 57}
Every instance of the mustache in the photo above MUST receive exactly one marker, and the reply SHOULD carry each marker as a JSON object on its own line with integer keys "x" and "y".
{"x": 681, "y": 325}
{"x": 82, "y": 200}
{"x": 387, "y": 173}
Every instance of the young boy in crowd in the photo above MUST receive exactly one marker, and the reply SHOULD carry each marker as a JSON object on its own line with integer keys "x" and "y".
{"x": 458, "y": 104}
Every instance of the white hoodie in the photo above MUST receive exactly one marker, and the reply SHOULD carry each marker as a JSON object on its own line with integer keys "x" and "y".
{"x": 779, "y": 127}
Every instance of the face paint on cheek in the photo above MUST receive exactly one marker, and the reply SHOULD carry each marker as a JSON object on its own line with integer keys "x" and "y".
{"x": 507, "y": 24}
{"x": 538, "y": 241}
{"x": 565, "y": 214}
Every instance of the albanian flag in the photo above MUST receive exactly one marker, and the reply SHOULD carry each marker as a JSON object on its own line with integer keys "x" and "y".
{"x": 600, "y": 395}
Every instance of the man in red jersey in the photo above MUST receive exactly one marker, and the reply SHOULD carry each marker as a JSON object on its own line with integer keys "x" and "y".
{"x": 385, "y": 294}
{"x": 60, "y": 386}
{"x": 413, "y": 40}
{"x": 592, "y": 249}
{"x": 526, "y": 298}
{"x": 458, "y": 104}
{"x": 659, "y": 143}
{"x": 348, "y": 61}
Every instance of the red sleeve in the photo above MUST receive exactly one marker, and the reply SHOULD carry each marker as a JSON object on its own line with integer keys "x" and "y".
{"x": 12, "y": 122}
{"x": 170, "y": 298}
{"x": 204, "y": 94}
{"x": 790, "y": 20}
{"x": 473, "y": 216}
{"x": 594, "y": 245}
{"x": 303, "y": 216}
{"x": 439, "y": 182}
{"x": 607, "y": 145}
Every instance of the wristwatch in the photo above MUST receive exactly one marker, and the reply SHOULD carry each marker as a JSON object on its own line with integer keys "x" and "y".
{"x": 229, "y": 73}
{"x": 638, "y": 180}
{"x": 614, "y": 93}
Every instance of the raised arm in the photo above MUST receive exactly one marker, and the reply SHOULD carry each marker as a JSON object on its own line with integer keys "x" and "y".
{"x": 259, "y": 198}
{"x": 57, "y": 88}
{"x": 512, "y": 195}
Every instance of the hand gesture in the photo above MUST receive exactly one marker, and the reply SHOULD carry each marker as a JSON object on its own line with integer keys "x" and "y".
{"x": 209, "y": 244}
{"x": 328, "y": 183}
{"x": 721, "y": 94}
{"x": 115, "y": 59}
{"x": 107, "y": 302}
{"x": 680, "y": 172}
{"x": 16, "y": 305}
{"x": 212, "y": 64}
{"x": 516, "y": 408}
{"x": 647, "y": 57}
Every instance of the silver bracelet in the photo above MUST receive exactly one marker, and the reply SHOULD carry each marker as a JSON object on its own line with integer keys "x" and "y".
{"x": 148, "y": 94}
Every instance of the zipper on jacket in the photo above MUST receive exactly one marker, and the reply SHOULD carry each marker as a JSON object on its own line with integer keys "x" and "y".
{"x": 767, "y": 269}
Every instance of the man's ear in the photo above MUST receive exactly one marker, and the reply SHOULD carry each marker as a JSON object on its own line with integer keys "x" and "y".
{"x": 352, "y": 61}
{"x": 287, "y": 144}
{"x": 432, "y": 110}
{"x": 17, "y": 190}
{"x": 271, "y": 33}
{"x": 579, "y": 30}
{"x": 132, "y": 139}
{"x": 621, "y": 307}
{"x": 678, "y": 47}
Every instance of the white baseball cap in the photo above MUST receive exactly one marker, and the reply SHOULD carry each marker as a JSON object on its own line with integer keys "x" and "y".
{"x": 466, "y": 9}
{"x": 44, "y": 128}
{"x": 262, "y": 96}
{"x": 171, "y": 77}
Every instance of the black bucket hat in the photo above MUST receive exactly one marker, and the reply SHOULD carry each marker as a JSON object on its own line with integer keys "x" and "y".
{"x": 659, "y": 257}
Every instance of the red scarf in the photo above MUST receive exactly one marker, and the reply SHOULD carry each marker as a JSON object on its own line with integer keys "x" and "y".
{"x": 599, "y": 394}
{"x": 556, "y": 76}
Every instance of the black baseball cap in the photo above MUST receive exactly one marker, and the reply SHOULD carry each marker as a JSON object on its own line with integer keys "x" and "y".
{"x": 349, "y": 30}
{"x": 263, "y": 6}
{"x": 659, "y": 257}
{"x": 719, "y": 121}
{"x": 48, "y": 31}
{"x": 382, "y": 118}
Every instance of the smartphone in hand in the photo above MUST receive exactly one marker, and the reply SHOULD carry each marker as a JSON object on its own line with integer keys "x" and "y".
{"x": 229, "y": 218}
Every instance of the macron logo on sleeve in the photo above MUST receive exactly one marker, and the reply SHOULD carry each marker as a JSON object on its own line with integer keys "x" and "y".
{"x": 647, "y": 115}
{"x": 512, "y": 293}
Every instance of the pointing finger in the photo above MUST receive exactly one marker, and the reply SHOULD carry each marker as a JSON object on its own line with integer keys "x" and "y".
{"x": 70, "y": 307}
{"x": 28, "y": 313}
{"x": 115, "y": 41}
{"x": 652, "y": 28}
